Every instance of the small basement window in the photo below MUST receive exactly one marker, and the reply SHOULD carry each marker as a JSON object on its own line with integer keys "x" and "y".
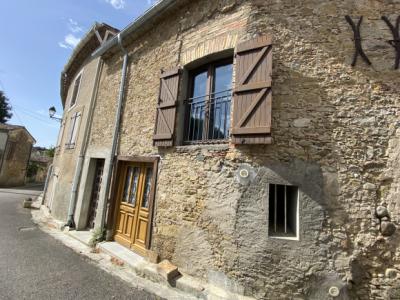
{"x": 283, "y": 211}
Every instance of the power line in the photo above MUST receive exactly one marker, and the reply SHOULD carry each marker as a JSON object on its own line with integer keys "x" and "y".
{"x": 18, "y": 117}
{"x": 35, "y": 117}
{"x": 30, "y": 111}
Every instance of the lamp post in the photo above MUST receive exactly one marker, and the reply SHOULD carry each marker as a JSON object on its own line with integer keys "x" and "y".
{"x": 52, "y": 112}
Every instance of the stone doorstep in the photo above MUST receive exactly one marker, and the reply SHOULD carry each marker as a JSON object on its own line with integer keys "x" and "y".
{"x": 47, "y": 219}
{"x": 71, "y": 241}
{"x": 166, "y": 273}
{"x": 121, "y": 253}
{"x": 163, "y": 273}
{"x": 84, "y": 236}
{"x": 45, "y": 211}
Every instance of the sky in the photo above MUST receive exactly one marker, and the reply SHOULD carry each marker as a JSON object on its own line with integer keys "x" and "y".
{"x": 37, "y": 39}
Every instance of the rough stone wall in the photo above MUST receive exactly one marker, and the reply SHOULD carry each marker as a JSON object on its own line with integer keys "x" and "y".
{"x": 14, "y": 167}
{"x": 332, "y": 128}
{"x": 65, "y": 159}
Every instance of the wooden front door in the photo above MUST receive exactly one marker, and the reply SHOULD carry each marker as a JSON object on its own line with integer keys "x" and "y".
{"x": 133, "y": 202}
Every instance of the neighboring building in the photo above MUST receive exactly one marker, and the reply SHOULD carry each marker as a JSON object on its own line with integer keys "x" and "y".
{"x": 39, "y": 163}
{"x": 15, "y": 149}
{"x": 78, "y": 96}
{"x": 258, "y": 159}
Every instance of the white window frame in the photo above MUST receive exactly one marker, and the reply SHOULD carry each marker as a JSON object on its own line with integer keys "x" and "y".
{"x": 74, "y": 126}
{"x": 60, "y": 136}
{"x": 80, "y": 77}
{"x": 292, "y": 238}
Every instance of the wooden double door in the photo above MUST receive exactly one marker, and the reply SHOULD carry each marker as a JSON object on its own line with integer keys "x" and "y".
{"x": 134, "y": 206}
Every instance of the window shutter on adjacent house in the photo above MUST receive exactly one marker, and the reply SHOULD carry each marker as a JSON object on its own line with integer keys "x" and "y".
{"x": 73, "y": 130}
{"x": 252, "y": 93}
{"x": 166, "y": 108}
{"x": 76, "y": 128}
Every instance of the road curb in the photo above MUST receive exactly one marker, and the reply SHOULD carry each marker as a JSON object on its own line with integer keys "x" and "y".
{"x": 166, "y": 282}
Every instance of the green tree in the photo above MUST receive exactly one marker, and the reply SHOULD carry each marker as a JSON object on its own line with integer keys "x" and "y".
{"x": 50, "y": 151}
{"x": 5, "y": 108}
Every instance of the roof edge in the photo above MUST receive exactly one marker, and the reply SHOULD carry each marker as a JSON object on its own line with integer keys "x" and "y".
{"x": 153, "y": 11}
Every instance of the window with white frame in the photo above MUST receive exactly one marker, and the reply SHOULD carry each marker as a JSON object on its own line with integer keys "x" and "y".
{"x": 77, "y": 84}
{"x": 73, "y": 130}
{"x": 283, "y": 211}
{"x": 60, "y": 136}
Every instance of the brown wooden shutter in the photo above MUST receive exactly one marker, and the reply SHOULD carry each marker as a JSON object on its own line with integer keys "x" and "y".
{"x": 166, "y": 108}
{"x": 252, "y": 94}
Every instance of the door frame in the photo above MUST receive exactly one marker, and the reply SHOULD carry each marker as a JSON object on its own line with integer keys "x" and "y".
{"x": 116, "y": 190}
{"x": 92, "y": 172}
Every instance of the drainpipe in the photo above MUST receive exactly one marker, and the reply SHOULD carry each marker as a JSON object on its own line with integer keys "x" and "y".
{"x": 116, "y": 129}
{"x": 78, "y": 171}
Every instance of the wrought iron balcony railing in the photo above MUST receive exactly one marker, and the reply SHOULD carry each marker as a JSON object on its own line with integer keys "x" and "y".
{"x": 208, "y": 118}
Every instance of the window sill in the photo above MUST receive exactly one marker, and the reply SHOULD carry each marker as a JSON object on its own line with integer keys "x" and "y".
{"x": 193, "y": 147}
{"x": 288, "y": 238}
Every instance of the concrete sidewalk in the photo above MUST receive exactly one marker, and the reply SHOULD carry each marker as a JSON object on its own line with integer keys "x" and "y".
{"x": 134, "y": 269}
{"x": 33, "y": 265}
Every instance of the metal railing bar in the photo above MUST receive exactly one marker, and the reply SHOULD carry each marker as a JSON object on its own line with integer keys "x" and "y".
{"x": 207, "y": 95}
{"x": 214, "y": 110}
{"x": 275, "y": 206}
{"x": 285, "y": 210}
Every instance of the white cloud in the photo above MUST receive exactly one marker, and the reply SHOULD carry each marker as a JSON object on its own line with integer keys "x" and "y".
{"x": 72, "y": 38}
{"x": 70, "y": 41}
{"x": 62, "y": 45}
{"x": 74, "y": 26}
{"x": 117, "y": 4}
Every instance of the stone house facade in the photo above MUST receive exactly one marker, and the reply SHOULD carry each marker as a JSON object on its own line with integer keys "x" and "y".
{"x": 78, "y": 81}
{"x": 259, "y": 158}
{"x": 15, "y": 149}
{"x": 39, "y": 162}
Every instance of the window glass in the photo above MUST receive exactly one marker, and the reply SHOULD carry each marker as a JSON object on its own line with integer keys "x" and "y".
{"x": 197, "y": 105}
{"x": 208, "y": 109}
{"x": 223, "y": 78}
{"x": 220, "y": 105}
{"x": 127, "y": 184}
{"x": 132, "y": 198}
{"x": 199, "y": 86}
{"x": 147, "y": 188}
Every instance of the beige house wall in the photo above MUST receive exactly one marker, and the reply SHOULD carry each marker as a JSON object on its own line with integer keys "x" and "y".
{"x": 15, "y": 163}
{"x": 65, "y": 159}
{"x": 332, "y": 128}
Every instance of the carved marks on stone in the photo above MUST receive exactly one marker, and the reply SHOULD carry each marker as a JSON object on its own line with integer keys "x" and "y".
{"x": 357, "y": 41}
{"x": 396, "y": 38}
{"x": 359, "y": 51}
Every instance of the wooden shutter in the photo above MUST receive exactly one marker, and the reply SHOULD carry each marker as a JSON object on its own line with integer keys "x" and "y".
{"x": 76, "y": 128}
{"x": 166, "y": 108}
{"x": 252, "y": 94}
{"x": 73, "y": 129}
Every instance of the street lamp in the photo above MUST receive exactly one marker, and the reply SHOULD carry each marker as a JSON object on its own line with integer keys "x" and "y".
{"x": 52, "y": 112}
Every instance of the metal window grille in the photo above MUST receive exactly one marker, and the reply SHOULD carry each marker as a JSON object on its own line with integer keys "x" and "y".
{"x": 283, "y": 210}
{"x": 208, "y": 117}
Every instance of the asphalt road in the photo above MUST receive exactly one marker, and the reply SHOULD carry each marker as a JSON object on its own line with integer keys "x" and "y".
{"x": 33, "y": 265}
